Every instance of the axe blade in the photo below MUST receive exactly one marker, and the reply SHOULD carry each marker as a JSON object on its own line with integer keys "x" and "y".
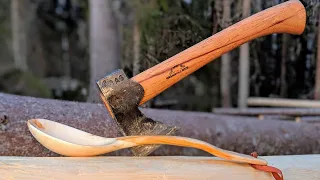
{"x": 121, "y": 97}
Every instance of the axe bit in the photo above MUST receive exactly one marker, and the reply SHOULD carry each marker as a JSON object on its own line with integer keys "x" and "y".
{"x": 122, "y": 96}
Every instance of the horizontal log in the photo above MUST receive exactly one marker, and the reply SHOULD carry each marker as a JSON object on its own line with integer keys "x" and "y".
{"x": 276, "y": 117}
{"x": 268, "y": 111}
{"x": 311, "y": 119}
{"x": 27, "y": 168}
{"x": 282, "y": 102}
{"x": 243, "y": 135}
{"x": 305, "y": 119}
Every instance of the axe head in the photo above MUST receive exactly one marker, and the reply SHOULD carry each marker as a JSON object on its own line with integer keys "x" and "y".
{"x": 121, "y": 97}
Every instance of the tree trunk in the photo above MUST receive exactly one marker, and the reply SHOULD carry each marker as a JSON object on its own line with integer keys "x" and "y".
{"x": 225, "y": 60}
{"x": 317, "y": 84}
{"x": 240, "y": 134}
{"x": 283, "y": 82}
{"x": 136, "y": 48}
{"x": 36, "y": 48}
{"x": 216, "y": 15}
{"x": 104, "y": 44}
{"x": 19, "y": 39}
{"x": 256, "y": 59}
{"x": 244, "y": 63}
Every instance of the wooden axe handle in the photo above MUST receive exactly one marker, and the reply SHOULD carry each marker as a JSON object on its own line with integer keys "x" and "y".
{"x": 288, "y": 17}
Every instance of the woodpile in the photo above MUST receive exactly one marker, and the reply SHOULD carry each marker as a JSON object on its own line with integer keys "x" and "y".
{"x": 297, "y": 110}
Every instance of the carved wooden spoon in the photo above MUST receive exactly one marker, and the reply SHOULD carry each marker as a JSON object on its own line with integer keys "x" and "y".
{"x": 68, "y": 141}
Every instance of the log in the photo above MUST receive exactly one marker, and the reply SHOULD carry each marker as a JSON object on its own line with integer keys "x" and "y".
{"x": 243, "y": 135}
{"x": 282, "y": 102}
{"x": 268, "y": 111}
{"x": 311, "y": 119}
{"x": 304, "y": 119}
{"x": 276, "y": 117}
{"x": 293, "y": 168}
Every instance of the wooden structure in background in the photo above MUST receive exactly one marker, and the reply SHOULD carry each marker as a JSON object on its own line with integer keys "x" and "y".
{"x": 268, "y": 111}
{"x": 282, "y": 102}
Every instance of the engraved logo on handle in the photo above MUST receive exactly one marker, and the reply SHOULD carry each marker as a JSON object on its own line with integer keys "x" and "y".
{"x": 176, "y": 70}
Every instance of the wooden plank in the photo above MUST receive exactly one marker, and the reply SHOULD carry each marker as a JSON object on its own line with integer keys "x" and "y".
{"x": 282, "y": 102}
{"x": 156, "y": 167}
{"x": 297, "y": 167}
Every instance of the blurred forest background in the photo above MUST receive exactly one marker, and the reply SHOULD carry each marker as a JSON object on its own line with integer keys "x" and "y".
{"x": 59, "y": 48}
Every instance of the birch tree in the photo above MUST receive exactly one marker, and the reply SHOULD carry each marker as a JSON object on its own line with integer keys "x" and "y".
{"x": 244, "y": 63}
{"x": 104, "y": 44}
{"x": 225, "y": 75}
{"x": 136, "y": 46}
{"x": 317, "y": 83}
{"x": 19, "y": 41}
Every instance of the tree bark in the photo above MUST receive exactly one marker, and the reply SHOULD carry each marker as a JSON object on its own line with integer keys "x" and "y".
{"x": 244, "y": 135}
{"x": 225, "y": 75}
{"x": 19, "y": 38}
{"x": 244, "y": 62}
{"x": 104, "y": 44}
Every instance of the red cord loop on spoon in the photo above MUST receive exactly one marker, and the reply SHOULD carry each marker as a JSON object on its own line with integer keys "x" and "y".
{"x": 277, "y": 174}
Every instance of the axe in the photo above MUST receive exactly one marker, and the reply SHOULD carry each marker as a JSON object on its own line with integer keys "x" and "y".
{"x": 122, "y": 96}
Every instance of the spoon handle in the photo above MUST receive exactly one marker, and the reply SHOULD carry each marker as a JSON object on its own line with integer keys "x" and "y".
{"x": 193, "y": 143}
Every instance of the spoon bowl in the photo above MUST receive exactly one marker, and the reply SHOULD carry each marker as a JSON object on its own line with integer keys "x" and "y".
{"x": 69, "y": 141}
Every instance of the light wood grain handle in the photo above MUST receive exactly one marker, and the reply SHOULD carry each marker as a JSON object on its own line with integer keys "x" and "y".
{"x": 193, "y": 143}
{"x": 288, "y": 17}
